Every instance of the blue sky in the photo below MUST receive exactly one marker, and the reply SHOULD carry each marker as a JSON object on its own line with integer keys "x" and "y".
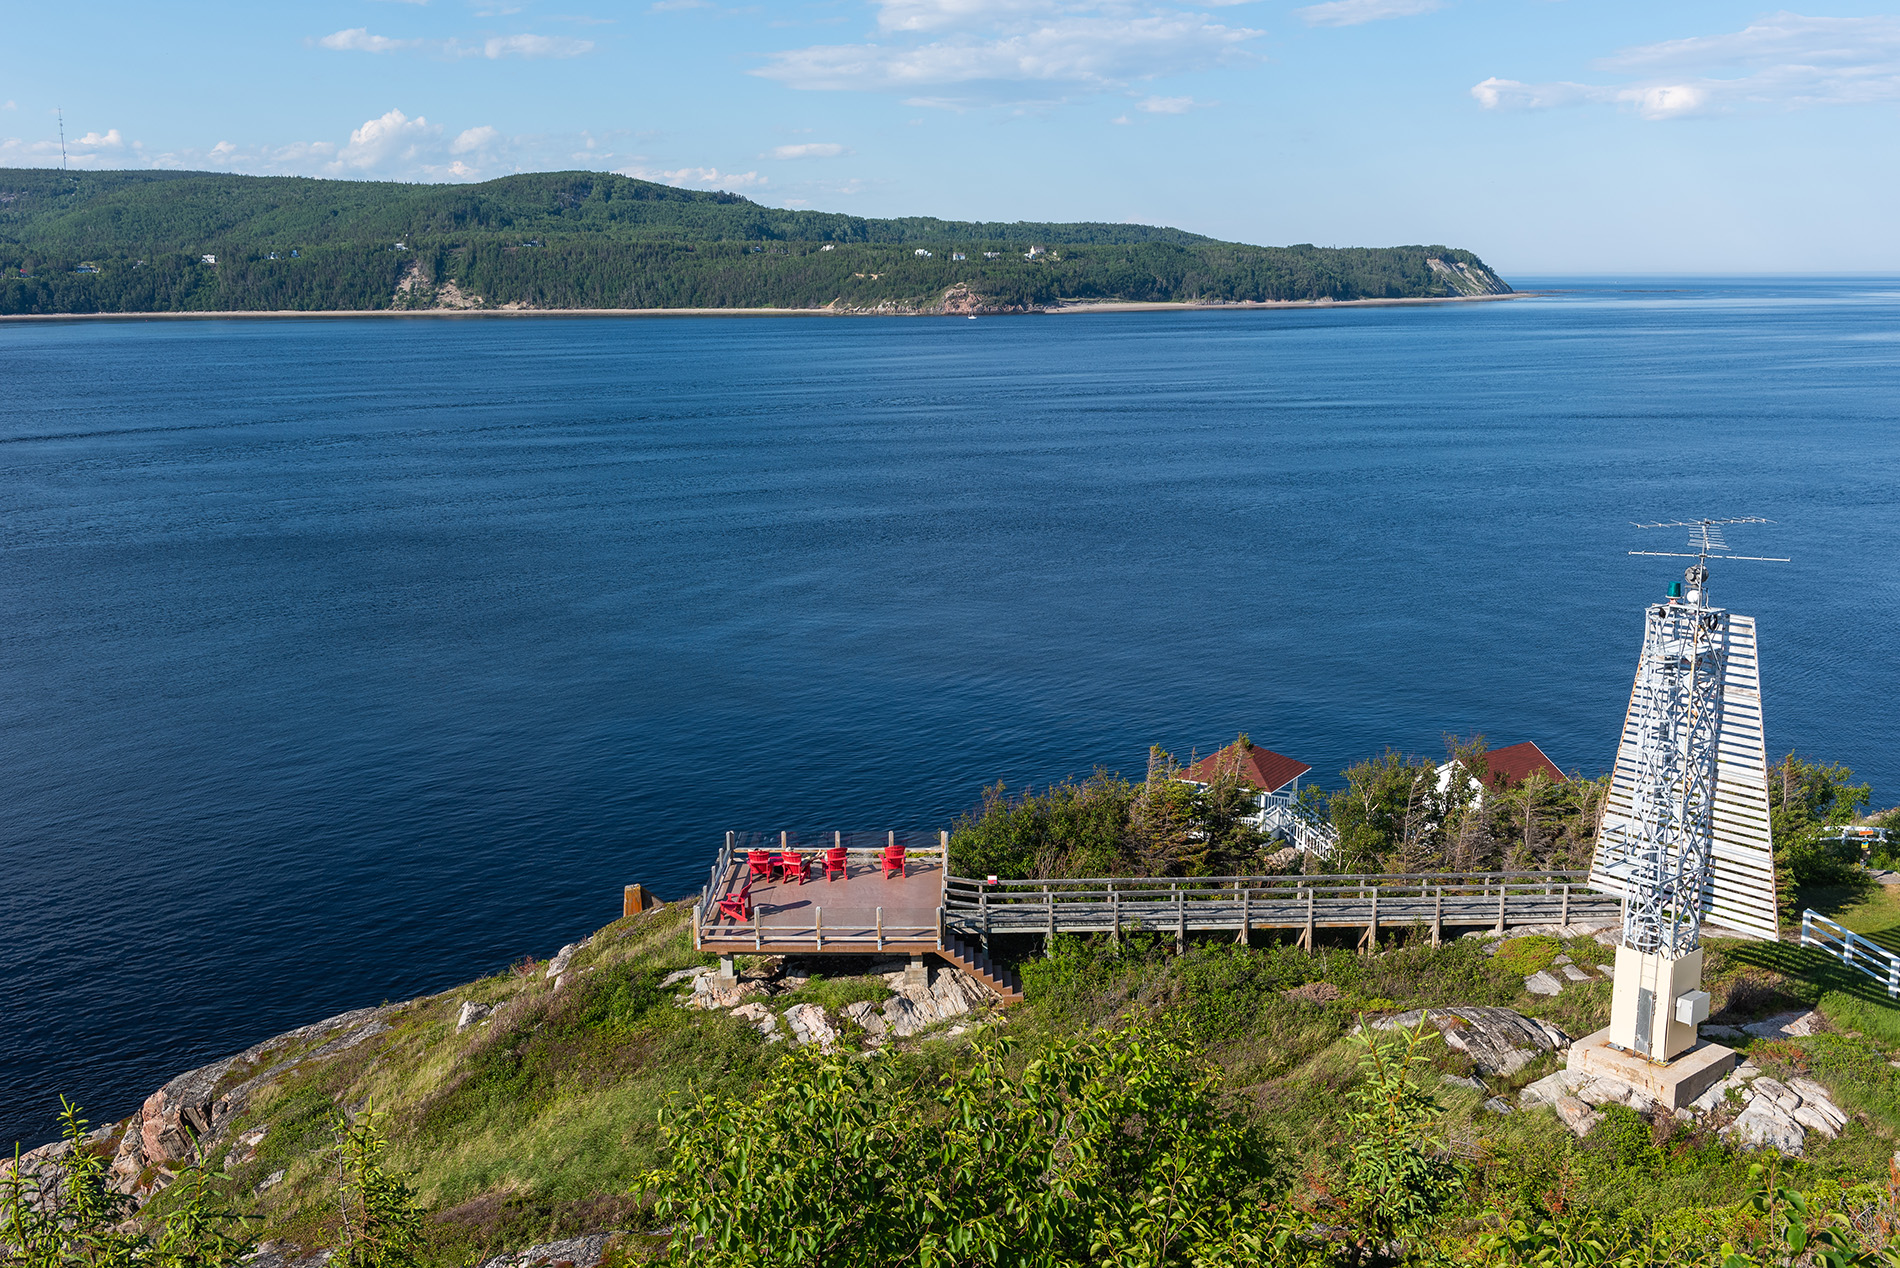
{"x": 1550, "y": 136}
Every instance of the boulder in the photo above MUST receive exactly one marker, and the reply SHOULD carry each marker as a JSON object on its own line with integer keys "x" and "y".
{"x": 470, "y": 1013}
{"x": 810, "y": 1025}
{"x": 1543, "y": 983}
{"x": 1547, "y": 1090}
{"x": 1577, "y": 1116}
{"x": 864, "y": 1015}
{"x": 761, "y": 1016}
{"x": 563, "y": 958}
{"x": 1763, "y": 1123}
{"x": 1575, "y": 974}
{"x": 1498, "y": 1105}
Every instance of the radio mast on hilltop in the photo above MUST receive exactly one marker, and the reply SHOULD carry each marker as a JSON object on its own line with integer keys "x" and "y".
{"x": 1685, "y": 827}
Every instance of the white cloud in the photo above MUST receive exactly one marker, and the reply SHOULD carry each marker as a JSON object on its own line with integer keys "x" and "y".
{"x": 813, "y": 149}
{"x": 1168, "y": 105}
{"x": 474, "y": 139}
{"x": 1786, "y": 60}
{"x": 674, "y": 6}
{"x": 979, "y": 46}
{"x": 110, "y": 141}
{"x": 701, "y": 177}
{"x": 11, "y": 105}
{"x": 530, "y": 46}
{"x": 357, "y": 39}
{"x": 391, "y": 138}
{"x": 1123, "y": 120}
{"x": 1359, "y": 12}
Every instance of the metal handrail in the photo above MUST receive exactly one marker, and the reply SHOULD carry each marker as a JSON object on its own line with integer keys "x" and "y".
{"x": 1856, "y": 952}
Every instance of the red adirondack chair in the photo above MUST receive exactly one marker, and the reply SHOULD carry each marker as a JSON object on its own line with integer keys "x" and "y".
{"x": 739, "y": 905}
{"x": 894, "y": 861}
{"x": 791, "y": 863}
{"x": 835, "y": 862}
{"x": 760, "y": 861}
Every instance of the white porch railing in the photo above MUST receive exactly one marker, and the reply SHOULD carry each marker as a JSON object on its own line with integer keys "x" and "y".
{"x": 1852, "y": 950}
{"x": 1298, "y": 826}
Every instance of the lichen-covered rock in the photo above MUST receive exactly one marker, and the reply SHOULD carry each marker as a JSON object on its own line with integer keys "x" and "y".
{"x": 470, "y": 1013}
{"x": 1543, "y": 982}
{"x": 1499, "y": 1041}
{"x": 1787, "y": 1026}
{"x": 1764, "y": 1122}
{"x": 576, "y": 1252}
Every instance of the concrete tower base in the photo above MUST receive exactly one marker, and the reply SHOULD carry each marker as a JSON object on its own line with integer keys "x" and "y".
{"x": 1671, "y": 1084}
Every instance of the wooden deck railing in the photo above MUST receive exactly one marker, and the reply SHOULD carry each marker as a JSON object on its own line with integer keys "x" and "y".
{"x": 1183, "y": 905}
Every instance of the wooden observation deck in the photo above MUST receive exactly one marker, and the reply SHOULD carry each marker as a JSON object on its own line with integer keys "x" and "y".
{"x": 927, "y": 910}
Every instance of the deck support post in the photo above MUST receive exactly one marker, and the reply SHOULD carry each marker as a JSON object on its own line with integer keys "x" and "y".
{"x": 1372, "y": 927}
{"x": 1438, "y": 916}
{"x": 1502, "y": 891}
{"x": 728, "y": 970}
{"x": 915, "y": 974}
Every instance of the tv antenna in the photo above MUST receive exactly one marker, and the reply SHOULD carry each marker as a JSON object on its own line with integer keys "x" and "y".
{"x": 1705, "y": 539}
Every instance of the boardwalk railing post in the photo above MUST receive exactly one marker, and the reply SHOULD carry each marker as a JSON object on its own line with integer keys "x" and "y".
{"x": 1309, "y": 917}
{"x": 1372, "y": 929}
{"x": 1565, "y": 918}
{"x": 1438, "y": 916}
{"x": 1246, "y": 916}
{"x": 1180, "y": 921}
{"x": 1048, "y": 941}
{"x": 983, "y": 900}
{"x": 818, "y": 927}
{"x": 758, "y": 930}
{"x": 1502, "y": 891}
{"x": 1114, "y": 915}
{"x": 880, "y": 928}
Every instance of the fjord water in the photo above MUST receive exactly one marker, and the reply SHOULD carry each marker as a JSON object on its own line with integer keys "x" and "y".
{"x": 344, "y": 660}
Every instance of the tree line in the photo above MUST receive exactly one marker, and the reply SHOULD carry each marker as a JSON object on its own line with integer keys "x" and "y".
{"x": 120, "y": 242}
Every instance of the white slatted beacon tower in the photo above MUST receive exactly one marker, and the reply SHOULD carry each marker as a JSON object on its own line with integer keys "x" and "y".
{"x": 1685, "y": 830}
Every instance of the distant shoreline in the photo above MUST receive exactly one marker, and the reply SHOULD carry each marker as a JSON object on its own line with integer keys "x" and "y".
{"x": 1098, "y": 306}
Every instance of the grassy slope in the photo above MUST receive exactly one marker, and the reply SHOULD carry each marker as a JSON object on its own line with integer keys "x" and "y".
{"x": 588, "y": 239}
{"x": 537, "y": 1124}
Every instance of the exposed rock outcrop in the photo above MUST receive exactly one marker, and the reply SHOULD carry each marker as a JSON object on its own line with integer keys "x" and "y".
{"x": 1499, "y": 1041}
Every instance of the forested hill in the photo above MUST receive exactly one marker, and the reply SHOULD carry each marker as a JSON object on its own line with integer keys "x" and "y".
{"x": 147, "y": 241}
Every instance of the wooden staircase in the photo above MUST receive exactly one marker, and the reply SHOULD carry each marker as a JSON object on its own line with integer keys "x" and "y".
{"x": 1006, "y": 986}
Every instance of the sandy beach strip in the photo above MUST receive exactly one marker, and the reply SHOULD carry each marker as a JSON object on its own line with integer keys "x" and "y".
{"x": 1089, "y": 306}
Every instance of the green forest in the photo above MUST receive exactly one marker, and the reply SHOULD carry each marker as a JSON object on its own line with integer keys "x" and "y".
{"x": 151, "y": 241}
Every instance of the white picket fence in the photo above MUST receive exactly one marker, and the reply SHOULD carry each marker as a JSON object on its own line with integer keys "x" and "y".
{"x": 1852, "y": 950}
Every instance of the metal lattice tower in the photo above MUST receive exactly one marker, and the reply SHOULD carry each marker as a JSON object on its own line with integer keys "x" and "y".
{"x": 1675, "y": 719}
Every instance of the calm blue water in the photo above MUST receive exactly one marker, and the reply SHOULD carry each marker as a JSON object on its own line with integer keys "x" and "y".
{"x": 342, "y": 661}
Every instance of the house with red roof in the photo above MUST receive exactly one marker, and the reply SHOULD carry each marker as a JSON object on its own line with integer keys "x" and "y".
{"x": 1509, "y": 767}
{"x": 1267, "y": 771}
{"x": 1275, "y": 779}
{"x": 1506, "y": 768}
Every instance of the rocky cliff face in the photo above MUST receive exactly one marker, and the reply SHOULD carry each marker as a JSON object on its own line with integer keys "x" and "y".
{"x": 1467, "y": 279}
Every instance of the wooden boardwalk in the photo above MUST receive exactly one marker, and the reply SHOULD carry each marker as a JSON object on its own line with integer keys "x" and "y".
{"x": 1433, "y": 902}
{"x": 927, "y": 910}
